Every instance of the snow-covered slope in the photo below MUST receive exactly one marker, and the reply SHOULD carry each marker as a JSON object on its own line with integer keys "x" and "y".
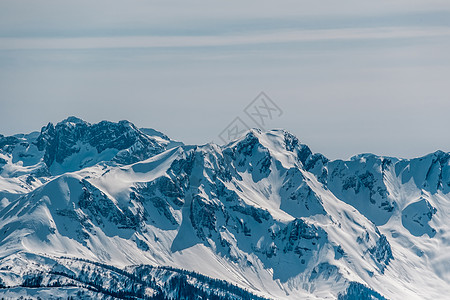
{"x": 263, "y": 213}
{"x": 29, "y": 160}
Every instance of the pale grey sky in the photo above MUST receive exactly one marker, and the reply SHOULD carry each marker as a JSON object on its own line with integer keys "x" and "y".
{"x": 350, "y": 76}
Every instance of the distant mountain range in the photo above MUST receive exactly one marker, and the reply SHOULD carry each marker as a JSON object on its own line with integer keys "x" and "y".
{"x": 108, "y": 210}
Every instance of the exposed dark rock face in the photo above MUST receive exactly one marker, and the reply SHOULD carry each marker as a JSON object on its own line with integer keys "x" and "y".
{"x": 417, "y": 215}
{"x": 358, "y": 291}
{"x": 360, "y": 182}
{"x": 430, "y": 172}
{"x": 382, "y": 252}
{"x": 66, "y": 138}
{"x": 251, "y": 156}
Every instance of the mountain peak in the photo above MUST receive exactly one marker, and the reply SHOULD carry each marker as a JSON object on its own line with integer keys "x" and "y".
{"x": 126, "y": 123}
{"x": 72, "y": 120}
{"x": 74, "y": 144}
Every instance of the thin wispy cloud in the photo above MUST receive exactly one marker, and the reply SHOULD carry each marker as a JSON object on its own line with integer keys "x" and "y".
{"x": 280, "y": 36}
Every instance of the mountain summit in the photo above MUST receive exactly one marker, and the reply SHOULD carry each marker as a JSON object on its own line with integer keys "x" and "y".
{"x": 109, "y": 210}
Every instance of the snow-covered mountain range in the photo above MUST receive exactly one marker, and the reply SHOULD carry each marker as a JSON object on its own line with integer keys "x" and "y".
{"x": 109, "y": 210}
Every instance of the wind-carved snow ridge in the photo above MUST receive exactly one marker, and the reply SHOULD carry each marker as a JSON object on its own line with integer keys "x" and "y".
{"x": 109, "y": 210}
